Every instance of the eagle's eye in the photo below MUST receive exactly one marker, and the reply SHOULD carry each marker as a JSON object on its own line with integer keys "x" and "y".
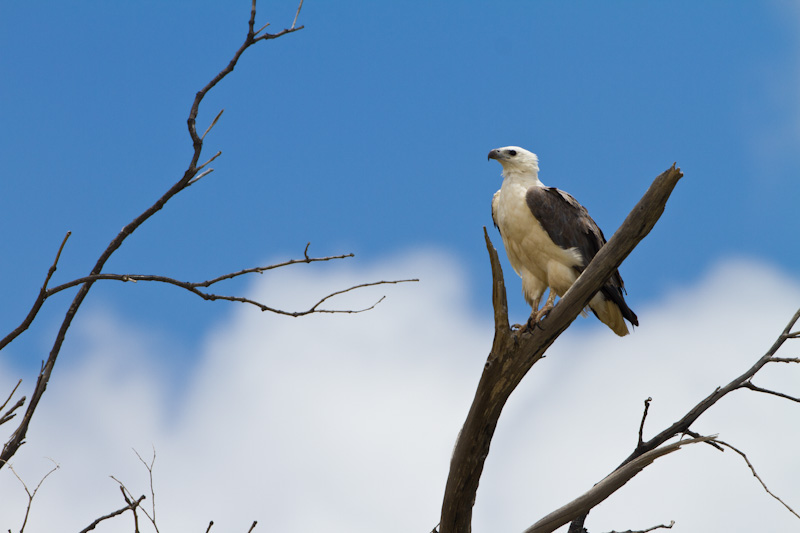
{"x": 512, "y": 152}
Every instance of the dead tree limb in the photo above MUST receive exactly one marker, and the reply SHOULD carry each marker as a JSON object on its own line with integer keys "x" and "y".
{"x": 755, "y": 475}
{"x": 683, "y": 425}
{"x": 653, "y": 528}
{"x": 513, "y": 353}
{"x": 194, "y": 286}
{"x": 132, "y": 505}
{"x": 37, "y": 305}
{"x": 189, "y": 176}
{"x": 8, "y": 415}
{"x": 606, "y": 487}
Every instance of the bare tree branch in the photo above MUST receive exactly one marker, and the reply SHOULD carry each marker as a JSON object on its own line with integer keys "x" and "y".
{"x": 129, "y": 499}
{"x": 749, "y": 385}
{"x": 48, "y": 292}
{"x": 299, "y": 7}
{"x": 187, "y": 284}
{"x": 213, "y": 123}
{"x": 11, "y": 395}
{"x": 711, "y": 443}
{"x": 660, "y": 526}
{"x": 130, "y": 506}
{"x": 18, "y": 436}
{"x": 755, "y": 474}
{"x": 200, "y": 176}
{"x": 606, "y": 488}
{"x": 30, "y": 494}
{"x": 192, "y": 287}
{"x": 513, "y": 353}
{"x": 682, "y": 425}
{"x": 39, "y": 299}
{"x": 253, "y": 525}
{"x": 742, "y": 382}
{"x": 644, "y": 417}
{"x": 8, "y": 415}
{"x": 786, "y": 359}
{"x": 149, "y": 468}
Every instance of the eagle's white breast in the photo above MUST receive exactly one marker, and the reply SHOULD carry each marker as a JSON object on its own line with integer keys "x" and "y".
{"x": 534, "y": 256}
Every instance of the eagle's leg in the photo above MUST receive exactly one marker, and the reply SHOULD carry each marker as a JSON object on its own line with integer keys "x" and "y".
{"x": 533, "y": 320}
{"x": 549, "y": 304}
{"x": 538, "y": 315}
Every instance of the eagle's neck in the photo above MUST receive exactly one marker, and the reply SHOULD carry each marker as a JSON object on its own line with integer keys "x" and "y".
{"x": 521, "y": 177}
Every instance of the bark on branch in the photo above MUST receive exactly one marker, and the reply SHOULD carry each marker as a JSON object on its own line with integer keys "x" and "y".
{"x": 515, "y": 352}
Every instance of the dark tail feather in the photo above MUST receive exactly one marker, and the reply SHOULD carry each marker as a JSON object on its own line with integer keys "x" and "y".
{"x": 615, "y": 295}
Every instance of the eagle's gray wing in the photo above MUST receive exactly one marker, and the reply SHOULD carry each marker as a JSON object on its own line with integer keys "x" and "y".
{"x": 569, "y": 226}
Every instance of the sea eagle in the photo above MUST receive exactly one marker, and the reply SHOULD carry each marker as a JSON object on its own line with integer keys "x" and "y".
{"x": 549, "y": 239}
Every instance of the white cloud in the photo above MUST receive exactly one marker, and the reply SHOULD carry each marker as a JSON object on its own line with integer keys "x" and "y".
{"x": 346, "y": 422}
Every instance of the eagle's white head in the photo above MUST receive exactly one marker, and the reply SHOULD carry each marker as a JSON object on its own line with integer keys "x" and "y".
{"x": 516, "y": 161}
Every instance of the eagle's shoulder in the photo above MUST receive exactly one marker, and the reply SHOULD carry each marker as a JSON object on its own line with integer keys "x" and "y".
{"x": 566, "y": 221}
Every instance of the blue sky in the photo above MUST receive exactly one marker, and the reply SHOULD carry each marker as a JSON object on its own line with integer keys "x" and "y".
{"x": 367, "y": 132}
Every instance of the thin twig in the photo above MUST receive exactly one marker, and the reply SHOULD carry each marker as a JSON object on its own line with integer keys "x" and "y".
{"x": 696, "y": 435}
{"x": 193, "y": 288}
{"x": 253, "y": 526}
{"x": 213, "y": 122}
{"x": 11, "y": 395}
{"x": 200, "y": 176}
{"x": 130, "y": 506}
{"x": 784, "y": 359}
{"x": 660, "y": 526}
{"x": 46, "y": 293}
{"x": 207, "y": 283}
{"x": 30, "y": 494}
{"x": 262, "y": 28}
{"x": 8, "y": 415}
{"x": 149, "y": 468}
{"x": 211, "y": 523}
{"x": 294, "y": 22}
{"x": 129, "y": 499}
{"x": 755, "y": 474}
{"x": 644, "y": 416}
{"x": 749, "y": 385}
{"x": 39, "y": 299}
{"x": 314, "y": 309}
{"x": 219, "y": 153}
{"x": 787, "y": 330}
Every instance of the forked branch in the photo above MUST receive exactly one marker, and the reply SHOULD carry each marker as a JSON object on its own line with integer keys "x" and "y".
{"x": 31, "y": 494}
{"x": 196, "y": 286}
{"x": 131, "y": 505}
